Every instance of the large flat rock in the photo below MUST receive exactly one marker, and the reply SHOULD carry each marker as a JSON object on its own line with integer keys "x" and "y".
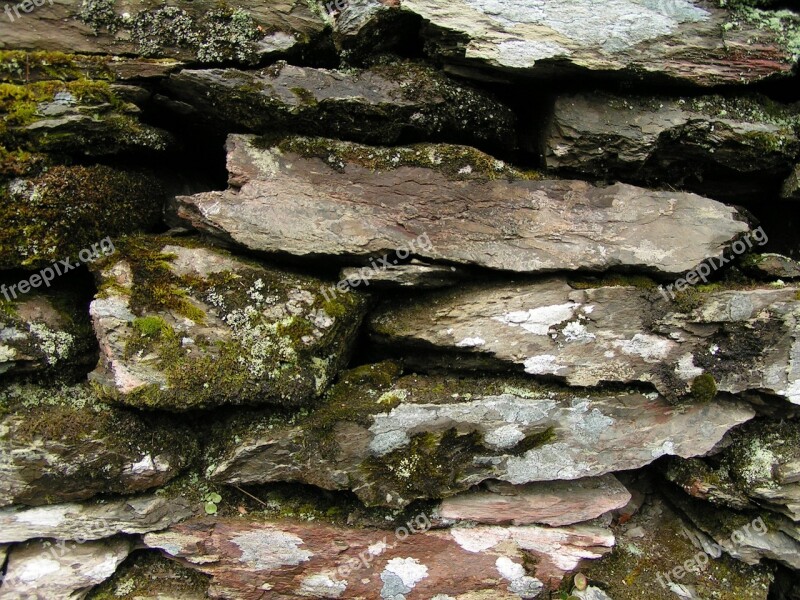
{"x": 63, "y": 444}
{"x": 182, "y": 325}
{"x": 684, "y": 40}
{"x": 313, "y": 197}
{"x": 401, "y": 101}
{"x": 292, "y": 561}
{"x": 745, "y": 339}
{"x": 431, "y": 437}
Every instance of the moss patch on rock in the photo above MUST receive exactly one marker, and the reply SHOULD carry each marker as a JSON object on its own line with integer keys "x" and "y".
{"x": 67, "y": 209}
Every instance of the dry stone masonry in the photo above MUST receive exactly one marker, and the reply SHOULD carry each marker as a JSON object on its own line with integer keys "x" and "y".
{"x": 400, "y": 300}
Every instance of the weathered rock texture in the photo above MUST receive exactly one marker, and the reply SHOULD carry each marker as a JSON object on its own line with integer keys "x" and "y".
{"x": 52, "y": 217}
{"x": 392, "y": 443}
{"x": 709, "y": 143}
{"x": 184, "y": 326}
{"x": 92, "y": 520}
{"x": 202, "y": 31}
{"x": 298, "y": 560}
{"x": 554, "y": 503}
{"x": 686, "y": 40}
{"x": 368, "y": 201}
{"x": 761, "y": 468}
{"x": 744, "y": 339}
{"x": 44, "y": 332}
{"x": 771, "y": 266}
{"x": 61, "y": 571}
{"x": 401, "y": 101}
{"x": 59, "y": 445}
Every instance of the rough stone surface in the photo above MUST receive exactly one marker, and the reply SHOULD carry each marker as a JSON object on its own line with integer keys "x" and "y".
{"x": 42, "y": 569}
{"x": 202, "y": 31}
{"x": 771, "y": 266}
{"x": 685, "y": 40}
{"x": 391, "y": 444}
{"x": 402, "y": 101}
{"x": 745, "y": 339}
{"x": 92, "y": 521}
{"x": 708, "y": 143}
{"x": 368, "y": 201}
{"x": 742, "y": 535}
{"x": 296, "y": 560}
{"x": 761, "y": 464}
{"x": 656, "y": 540}
{"x": 184, "y": 326}
{"x": 41, "y": 332}
{"x": 62, "y": 444}
{"x": 554, "y": 503}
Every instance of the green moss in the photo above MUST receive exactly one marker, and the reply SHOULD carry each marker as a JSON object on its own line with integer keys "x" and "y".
{"x": 305, "y": 96}
{"x": 456, "y": 162}
{"x": 613, "y": 280}
{"x": 430, "y": 464}
{"x": 67, "y": 209}
{"x": 704, "y": 388}
{"x": 784, "y": 25}
{"x": 22, "y": 66}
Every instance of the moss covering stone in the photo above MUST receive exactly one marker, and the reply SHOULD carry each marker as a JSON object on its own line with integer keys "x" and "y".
{"x": 67, "y": 209}
{"x": 242, "y": 334}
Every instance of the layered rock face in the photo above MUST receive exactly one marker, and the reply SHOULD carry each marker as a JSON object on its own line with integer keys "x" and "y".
{"x": 399, "y": 299}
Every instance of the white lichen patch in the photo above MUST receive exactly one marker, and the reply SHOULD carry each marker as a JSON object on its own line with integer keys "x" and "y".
{"x": 55, "y": 345}
{"x": 651, "y": 348}
{"x": 539, "y": 321}
{"x": 471, "y": 342}
{"x": 758, "y": 463}
{"x": 321, "y": 585}
{"x": 267, "y": 550}
{"x": 543, "y": 364}
{"x": 7, "y": 353}
{"x": 575, "y": 331}
{"x": 401, "y": 576}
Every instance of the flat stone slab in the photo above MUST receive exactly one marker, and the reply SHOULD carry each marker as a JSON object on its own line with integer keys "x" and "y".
{"x": 432, "y": 437}
{"x": 685, "y": 40}
{"x": 617, "y": 333}
{"x": 44, "y": 569}
{"x": 555, "y": 503}
{"x": 92, "y": 520}
{"x": 315, "y": 197}
{"x": 245, "y": 558}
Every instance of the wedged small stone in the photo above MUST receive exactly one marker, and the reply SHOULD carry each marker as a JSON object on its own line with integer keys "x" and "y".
{"x": 622, "y": 333}
{"x": 771, "y": 266}
{"x": 61, "y": 571}
{"x": 684, "y": 40}
{"x": 92, "y": 520}
{"x": 63, "y": 444}
{"x": 392, "y": 440}
{"x": 200, "y": 32}
{"x": 791, "y": 187}
{"x": 381, "y": 105}
{"x": 746, "y": 536}
{"x": 295, "y": 560}
{"x": 70, "y": 214}
{"x": 709, "y": 144}
{"x": 701, "y": 480}
{"x": 657, "y": 540}
{"x": 314, "y": 197}
{"x": 182, "y": 325}
{"x": 555, "y": 503}
{"x": 415, "y": 274}
{"x": 43, "y": 332}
